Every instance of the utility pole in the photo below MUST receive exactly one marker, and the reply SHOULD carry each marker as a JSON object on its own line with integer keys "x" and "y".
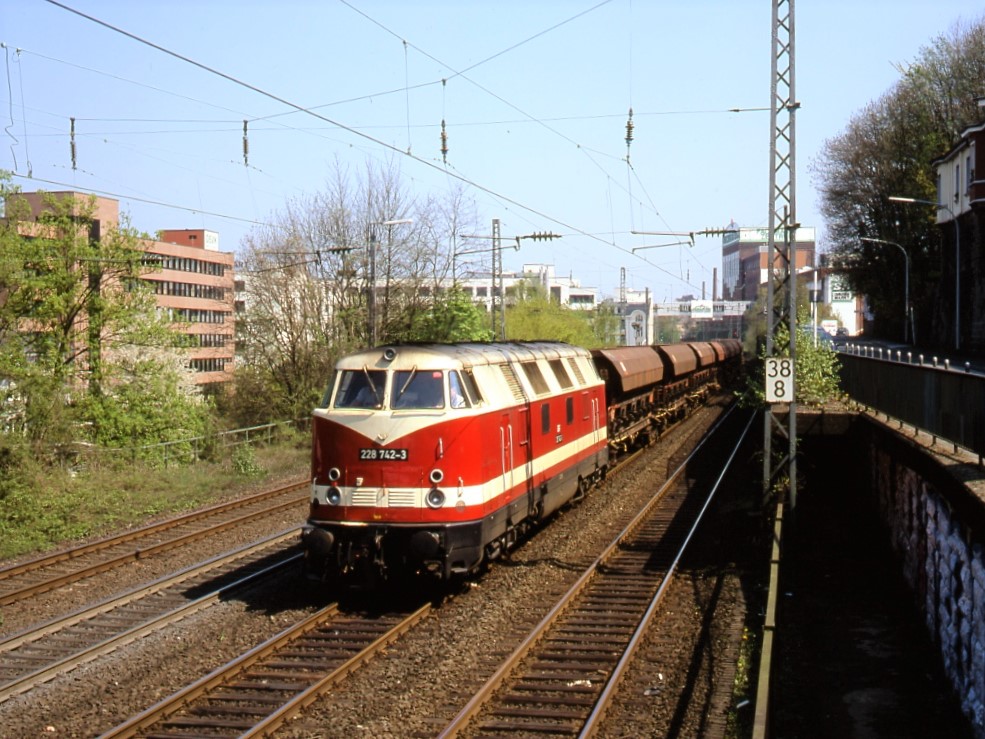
{"x": 497, "y": 277}
{"x": 371, "y": 297}
{"x": 498, "y": 305}
{"x": 781, "y": 296}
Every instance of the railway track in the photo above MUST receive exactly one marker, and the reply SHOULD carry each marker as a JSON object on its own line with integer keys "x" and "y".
{"x": 308, "y": 672}
{"x": 257, "y": 692}
{"x": 38, "y": 655}
{"x": 560, "y": 680}
{"x": 29, "y": 578}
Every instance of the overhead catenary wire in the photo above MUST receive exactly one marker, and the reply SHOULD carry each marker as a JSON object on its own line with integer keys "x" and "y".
{"x": 302, "y": 109}
{"x": 352, "y": 130}
{"x": 585, "y": 151}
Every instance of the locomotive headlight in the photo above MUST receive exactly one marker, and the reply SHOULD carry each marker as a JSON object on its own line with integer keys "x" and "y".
{"x": 334, "y": 474}
{"x": 436, "y": 476}
{"x": 333, "y": 496}
{"x": 435, "y": 498}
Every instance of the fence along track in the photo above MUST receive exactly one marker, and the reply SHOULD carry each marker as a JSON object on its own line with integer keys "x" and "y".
{"x": 258, "y": 691}
{"x": 38, "y": 655}
{"x": 70, "y": 565}
{"x": 559, "y": 680}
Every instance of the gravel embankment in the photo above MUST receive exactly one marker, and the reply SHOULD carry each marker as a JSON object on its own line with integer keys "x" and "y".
{"x": 419, "y": 683}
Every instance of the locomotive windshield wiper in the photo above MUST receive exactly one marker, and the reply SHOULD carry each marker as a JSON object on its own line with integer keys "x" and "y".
{"x": 372, "y": 385}
{"x": 413, "y": 371}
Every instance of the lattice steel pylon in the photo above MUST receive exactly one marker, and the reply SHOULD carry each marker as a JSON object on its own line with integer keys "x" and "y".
{"x": 781, "y": 296}
{"x": 497, "y": 283}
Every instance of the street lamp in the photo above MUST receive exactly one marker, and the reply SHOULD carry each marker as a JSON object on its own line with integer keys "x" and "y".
{"x": 907, "y": 314}
{"x": 957, "y": 260}
{"x": 371, "y": 298}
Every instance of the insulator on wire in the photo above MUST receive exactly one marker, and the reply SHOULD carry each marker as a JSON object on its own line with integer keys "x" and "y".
{"x": 246, "y": 146}
{"x": 629, "y": 131}
{"x": 72, "y": 142}
{"x": 444, "y": 142}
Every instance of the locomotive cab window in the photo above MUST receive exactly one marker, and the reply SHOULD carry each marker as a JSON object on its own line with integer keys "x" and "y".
{"x": 327, "y": 397}
{"x": 470, "y": 387}
{"x": 418, "y": 389}
{"x": 360, "y": 389}
{"x": 457, "y": 395}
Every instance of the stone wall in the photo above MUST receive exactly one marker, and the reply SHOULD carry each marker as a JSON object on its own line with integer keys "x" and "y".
{"x": 935, "y": 527}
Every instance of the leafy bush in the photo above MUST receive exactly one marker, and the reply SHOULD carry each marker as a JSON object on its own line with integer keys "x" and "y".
{"x": 816, "y": 369}
{"x": 245, "y": 463}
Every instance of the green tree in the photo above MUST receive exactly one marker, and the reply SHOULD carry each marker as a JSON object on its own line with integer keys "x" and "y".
{"x": 531, "y": 316}
{"x": 150, "y": 399}
{"x": 754, "y": 319}
{"x": 888, "y": 149}
{"x": 71, "y": 299}
{"x": 605, "y": 326}
{"x": 307, "y": 286}
{"x": 452, "y": 316}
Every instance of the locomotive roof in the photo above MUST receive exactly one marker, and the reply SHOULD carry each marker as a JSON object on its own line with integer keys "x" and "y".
{"x": 467, "y": 354}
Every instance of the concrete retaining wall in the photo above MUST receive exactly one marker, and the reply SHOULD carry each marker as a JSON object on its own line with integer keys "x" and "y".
{"x": 934, "y": 523}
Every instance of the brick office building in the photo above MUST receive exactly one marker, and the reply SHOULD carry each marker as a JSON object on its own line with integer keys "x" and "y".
{"x": 194, "y": 284}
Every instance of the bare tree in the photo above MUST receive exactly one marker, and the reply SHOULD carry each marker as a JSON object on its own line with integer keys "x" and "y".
{"x": 308, "y": 277}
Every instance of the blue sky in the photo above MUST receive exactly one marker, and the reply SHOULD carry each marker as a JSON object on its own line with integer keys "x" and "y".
{"x": 535, "y": 102}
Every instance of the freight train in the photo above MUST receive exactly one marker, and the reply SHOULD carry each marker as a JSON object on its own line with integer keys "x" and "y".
{"x": 437, "y": 458}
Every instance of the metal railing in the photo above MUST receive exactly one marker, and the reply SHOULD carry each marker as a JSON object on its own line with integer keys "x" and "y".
{"x": 946, "y": 403}
{"x": 184, "y": 451}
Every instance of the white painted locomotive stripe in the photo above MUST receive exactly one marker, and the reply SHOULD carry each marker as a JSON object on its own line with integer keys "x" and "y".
{"x": 474, "y": 495}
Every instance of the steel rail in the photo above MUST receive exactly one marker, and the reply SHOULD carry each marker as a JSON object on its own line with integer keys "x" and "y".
{"x": 29, "y": 680}
{"x": 304, "y": 699}
{"x": 74, "y": 552}
{"x": 475, "y": 704}
{"x": 135, "y": 554}
{"x": 255, "y": 658}
{"x": 593, "y": 723}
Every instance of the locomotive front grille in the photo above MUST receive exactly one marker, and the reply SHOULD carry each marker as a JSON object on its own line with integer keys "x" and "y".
{"x": 366, "y": 497}
{"x": 402, "y": 499}
{"x": 378, "y": 497}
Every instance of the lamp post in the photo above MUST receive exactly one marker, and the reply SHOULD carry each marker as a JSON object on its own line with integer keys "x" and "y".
{"x": 371, "y": 298}
{"x": 957, "y": 260}
{"x": 907, "y": 315}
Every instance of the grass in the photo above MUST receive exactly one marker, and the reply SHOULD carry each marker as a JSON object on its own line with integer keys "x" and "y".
{"x": 43, "y": 508}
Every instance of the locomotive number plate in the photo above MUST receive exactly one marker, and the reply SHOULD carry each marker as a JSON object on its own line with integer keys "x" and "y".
{"x": 383, "y": 455}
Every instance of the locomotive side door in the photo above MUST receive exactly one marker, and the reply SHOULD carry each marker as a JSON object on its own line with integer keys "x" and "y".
{"x": 506, "y": 452}
{"x": 526, "y": 458}
{"x": 593, "y": 410}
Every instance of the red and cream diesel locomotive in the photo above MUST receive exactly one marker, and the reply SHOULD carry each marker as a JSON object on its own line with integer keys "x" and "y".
{"x": 434, "y": 458}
